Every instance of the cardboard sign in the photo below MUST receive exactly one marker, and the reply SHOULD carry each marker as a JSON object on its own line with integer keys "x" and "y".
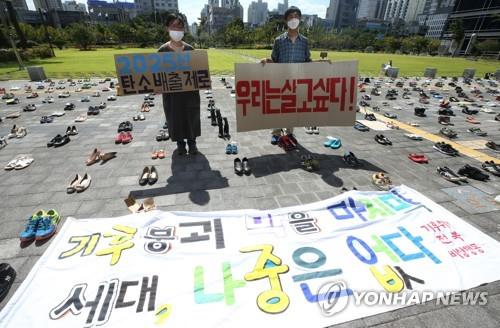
{"x": 162, "y": 72}
{"x": 293, "y": 95}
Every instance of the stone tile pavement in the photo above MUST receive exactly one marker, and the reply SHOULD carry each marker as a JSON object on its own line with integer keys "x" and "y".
{"x": 207, "y": 182}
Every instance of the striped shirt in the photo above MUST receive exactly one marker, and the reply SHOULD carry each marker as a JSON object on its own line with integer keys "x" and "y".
{"x": 286, "y": 51}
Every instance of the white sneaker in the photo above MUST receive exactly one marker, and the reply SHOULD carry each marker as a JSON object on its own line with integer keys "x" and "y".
{"x": 315, "y": 130}
{"x": 308, "y": 129}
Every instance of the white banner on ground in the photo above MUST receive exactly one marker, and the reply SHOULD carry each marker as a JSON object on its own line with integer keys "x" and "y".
{"x": 300, "y": 266}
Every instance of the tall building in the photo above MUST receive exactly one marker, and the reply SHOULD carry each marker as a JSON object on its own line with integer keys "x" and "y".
{"x": 48, "y": 4}
{"x": 19, "y": 4}
{"x": 342, "y": 13}
{"x": 397, "y": 10}
{"x": 435, "y": 16}
{"x": 110, "y": 12}
{"x": 479, "y": 17}
{"x": 415, "y": 8}
{"x": 72, "y": 5}
{"x": 371, "y": 9}
{"x": 257, "y": 13}
{"x": 219, "y": 14}
{"x": 150, "y": 6}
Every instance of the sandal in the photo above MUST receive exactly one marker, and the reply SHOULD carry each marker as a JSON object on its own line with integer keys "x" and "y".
{"x": 161, "y": 154}
{"x": 382, "y": 181}
{"x": 154, "y": 155}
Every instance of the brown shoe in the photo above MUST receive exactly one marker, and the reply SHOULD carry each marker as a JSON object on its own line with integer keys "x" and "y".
{"x": 107, "y": 156}
{"x": 94, "y": 157}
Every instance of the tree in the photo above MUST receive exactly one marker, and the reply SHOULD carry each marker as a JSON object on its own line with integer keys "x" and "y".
{"x": 83, "y": 35}
{"x": 458, "y": 34}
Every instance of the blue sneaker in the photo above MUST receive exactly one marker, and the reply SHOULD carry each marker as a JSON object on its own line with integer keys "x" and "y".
{"x": 274, "y": 139}
{"x": 48, "y": 225}
{"x": 336, "y": 143}
{"x": 234, "y": 148}
{"x": 229, "y": 149}
{"x": 31, "y": 227}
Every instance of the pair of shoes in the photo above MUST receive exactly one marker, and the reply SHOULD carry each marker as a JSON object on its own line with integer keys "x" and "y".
{"x": 102, "y": 105}
{"x": 59, "y": 140}
{"x": 418, "y": 158}
{"x": 361, "y": 127}
{"x": 334, "y": 143}
{"x": 123, "y": 138}
{"x": 382, "y": 181}
{"x": 390, "y": 115}
{"x": 445, "y": 148}
{"x": 147, "y": 205}
{"x": 71, "y": 131}
{"x": 478, "y": 132}
{"x": 472, "y": 120}
{"x": 420, "y": 111}
{"x": 162, "y": 135}
{"x": 370, "y": 117}
{"x": 468, "y": 111}
{"x": 444, "y": 120}
{"x": 81, "y": 118}
{"x": 312, "y": 130}
{"x": 232, "y": 148}
{"x": 3, "y": 142}
{"x": 392, "y": 125}
{"x": 41, "y": 225}
{"x": 69, "y": 106}
{"x": 344, "y": 189}
{"x": 29, "y": 108}
{"x": 351, "y": 159}
{"x": 79, "y": 183}
{"x": 139, "y": 117}
{"x": 473, "y": 173}
{"x": 97, "y": 156}
{"x": 309, "y": 163}
{"x": 491, "y": 167}
{"x": 413, "y": 136}
{"x": 383, "y": 140}
{"x": 493, "y": 146}
{"x": 223, "y": 127}
{"x": 148, "y": 176}
{"x": 19, "y": 162}
{"x": 447, "y": 132}
{"x": 125, "y": 126}
{"x": 46, "y": 119}
{"x": 7, "y": 277}
{"x": 93, "y": 110}
{"x": 287, "y": 142}
{"x": 17, "y": 132}
{"x": 242, "y": 166}
{"x": 448, "y": 174}
{"x": 158, "y": 154}
{"x": 446, "y": 112}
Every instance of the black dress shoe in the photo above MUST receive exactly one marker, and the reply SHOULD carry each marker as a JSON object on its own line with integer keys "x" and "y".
{"x": 62, "y": 141}
{"x": 143, "y": 180}
{"x": 52, "y": 142}
{"x": 7, "y": 277}
{"x": 121, "y": 127}
{"x": 153, "y": 176}
{"x": 238, "y": 166}
{"x": 128, "y": 126}
{"x": 226, "y": 129}
{"x": 246, "y": 166}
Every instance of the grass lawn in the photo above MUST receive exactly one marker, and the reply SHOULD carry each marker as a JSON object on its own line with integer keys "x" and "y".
{"x": 75, "y": 63}
{"x": 408, "y": 65}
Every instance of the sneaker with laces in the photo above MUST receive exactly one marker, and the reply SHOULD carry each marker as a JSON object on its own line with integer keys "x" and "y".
{"x": 48, "y": 225}
{"x": 31, "y": 229}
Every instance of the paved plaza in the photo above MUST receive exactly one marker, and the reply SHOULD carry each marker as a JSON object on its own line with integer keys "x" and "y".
{"x": 207, "y": 181}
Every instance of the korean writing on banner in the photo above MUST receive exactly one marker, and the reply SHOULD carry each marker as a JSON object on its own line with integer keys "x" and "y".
{"x": 287, "y": 95}
{"x": 162, "y": 72}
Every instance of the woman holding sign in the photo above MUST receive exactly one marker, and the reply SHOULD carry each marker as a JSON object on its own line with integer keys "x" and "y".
{"x": 182, "y": 109}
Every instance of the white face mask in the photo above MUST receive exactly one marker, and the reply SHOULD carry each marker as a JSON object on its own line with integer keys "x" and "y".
{"x": 293, "y": 23}
{"x": 176, "y": 35}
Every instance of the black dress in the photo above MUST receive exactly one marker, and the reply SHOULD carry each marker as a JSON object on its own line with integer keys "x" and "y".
{"x": 182, "y": 109}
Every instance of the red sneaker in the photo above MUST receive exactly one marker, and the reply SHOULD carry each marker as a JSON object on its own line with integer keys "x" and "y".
{"x": 126, "y": 137}
{"x": 119, "y": 138}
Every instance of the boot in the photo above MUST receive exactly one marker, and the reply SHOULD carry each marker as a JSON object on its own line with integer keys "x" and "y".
{"x": 221, "y": 128}
{"x": 213, "y": 118}
{"x": 226, "y": 128}
{"x": 218, "y": 115}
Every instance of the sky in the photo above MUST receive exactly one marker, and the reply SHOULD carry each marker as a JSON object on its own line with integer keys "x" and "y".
{"x": 192, "y": 8}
